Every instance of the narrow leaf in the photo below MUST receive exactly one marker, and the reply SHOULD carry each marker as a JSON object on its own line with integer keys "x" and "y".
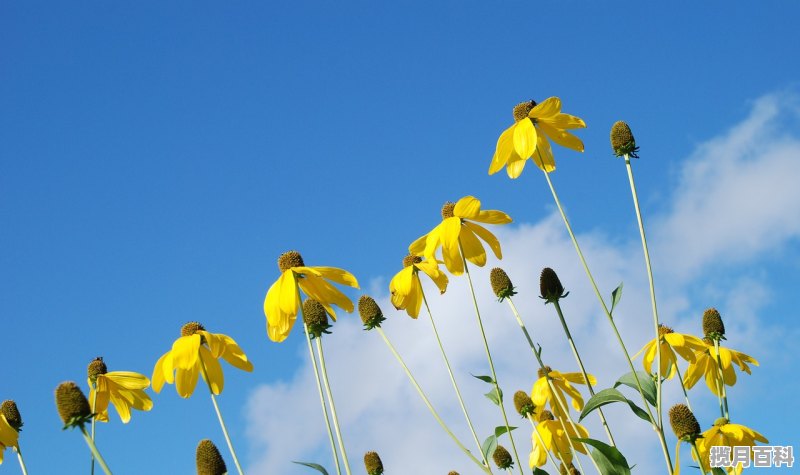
{"x": 607, "y": 396}
{"x": 315, "y": 466}
{"x": 608, "y": 458}
{"x": 500, "y": 430}
{"x": 485, "y": 379}
{"x": 648, "y": 385}
{"x": 616, "y": 296}
{"x": 488, "y": 446}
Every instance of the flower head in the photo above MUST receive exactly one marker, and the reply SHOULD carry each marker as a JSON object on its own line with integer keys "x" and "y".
{"x": 373, "y": 463}
{"x": 501, "y": 284}
{"x": 671, "y": 343}
{"x": 550, "y": 286}
{"x": 541, "y": 393}
{"x": 713, "y": 327}
{"x": 552, "y": 437}
{"x": 458, "y": 231}
{"x": 10, "y": 411}
{"x": 406, "y": 288}
{"x": 533, "y": 124}
{"x": 622, "y": 141}
{"x": 195, "y": 354}
{"x": 73, "y": 408}
{"x": 283, "y": 297}
{"x": 724, "y": 433}
{"x": 10, "y": 422}
{"x": 370, "y": 313}
{"x": 706, "y": 364}
{"x": 123, "y": 389}
{"x": 523, "y": 404}
{"x": 502, "y": 458}
{"x": 684, "y": 423}
{"x": 316, "y": 318}
{"x": 208, "y": 459}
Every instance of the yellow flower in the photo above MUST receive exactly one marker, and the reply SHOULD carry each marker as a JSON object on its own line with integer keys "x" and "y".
{"x": 555, "y": 439}
{"x": 671, "y": 342}
{"x": 534, "y": 123}
{"x": 723, "y": 433}
{"x": 283, "y": 298}
{"x": 705, "y": 364}
{"x": 541, "y": 393}
{"x": 406, "y": 287}
{"x": 458, "y": 231}
{"x": 9, "y": 437}
{"x": 196, "y": 353}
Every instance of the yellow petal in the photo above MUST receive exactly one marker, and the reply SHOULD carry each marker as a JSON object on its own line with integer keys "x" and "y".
{"x": 128, "y": 379}
{"x": 98, "y": 400}
{"x": 184, "y": 351}
{"x": 547, "y": 108}
{"x": 213, "y": 370}
{"x": 431, "y": 269}
{"x": 186, "y": 380}
{"x": 325, "y": 293}
{"x": 340, "y": 276}
{"x": 417, "y": 247}
{"x": 504, "y": 151}
{"x": 401, "y": 282}
{"x": 543, "y": 158}
{"x": 487, "y": 236}
{"x": 566, "y": 121}
{"x": 467, "y": 207}
{"x": 234, "y": 355}
{"x": 452, "y": 258}
{"x": 472, "y": 247}
{"x": 562, "y": 137}
{"x": 288, "y": 298}
{"x": 524, "y": 138}
{"x": 492, "y": 216}
{"x": 515, "y": 167}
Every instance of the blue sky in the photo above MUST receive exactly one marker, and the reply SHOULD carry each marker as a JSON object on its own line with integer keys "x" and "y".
{"x": 156, "y": 160}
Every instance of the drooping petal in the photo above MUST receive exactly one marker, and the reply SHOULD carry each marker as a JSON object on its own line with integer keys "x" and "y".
{"x": 9, "y": 437}
{"x": 504, "y": 151}
{"x": 272, "y": 307}
{"x": 515, "y": 167}
{"x": 543, "y": 158}
{"x": 234, "y": 355}
{"x": 432, "y": 241}
{"x": 160, "y": 372}
{"x": 121, "y": 405}
{"x": 401, "y": 282}
{"x": 431, "y": 269}
{"x": 186, "y": 380}
{"x": 492, "y": 216}
{"x": 326, "y": 294}
{"x": 467, "y": 207}
{"x": 340, "y": 276}
{"x": 98, "y": 400}
{"x": 566, "y": 121}
{"x": 525, "y": 138}
{"x": 487, "y": 236}
{"x": 128, "y": 379}
{"x": 184, "y": 351}
{"x": 562, "y": 137}
{"x": 288, "y": 298}
{"x": 472, "y": 247}
{"x": 540, "y": 392}
{"x": 549, "y": 107}
{"x": 452, "y": 258}
{"x": 213, "y": 370}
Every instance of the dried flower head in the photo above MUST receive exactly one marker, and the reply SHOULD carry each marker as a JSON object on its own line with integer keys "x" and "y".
{"x": 72, "y": 405}
{"x": 502, "y": 458}
{"x": 209, "y": 460}
{"x": 550, "y": 286}
{"x": 373, "y": 463}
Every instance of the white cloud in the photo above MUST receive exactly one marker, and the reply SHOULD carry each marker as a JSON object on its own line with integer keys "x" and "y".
{"x": 737, "y": 199}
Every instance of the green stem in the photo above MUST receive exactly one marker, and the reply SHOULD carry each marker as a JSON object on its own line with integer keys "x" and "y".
{"x": 322, "y": 399}
{"x": 94, "y": 450}
{"x": 541, "y": 441}
{"x": 328, "y": 392}
{"x": 699, "y": 459}
{"x": 564, "y": 410}
{"x": 221, "y": 420}
{"x": 656, "y": 426}
{"x": 489, "y": 356}
{"x": 653, "y": 305}
{"x": 680, "y": 381}
{"x": 722, "y": 380}
{"x": 427, "y": 402}
{"x": 94, "y": 403}
{"x": 452, "y": 377}
{"x": 583, "y": 369}
{"x": 21, "y": 460}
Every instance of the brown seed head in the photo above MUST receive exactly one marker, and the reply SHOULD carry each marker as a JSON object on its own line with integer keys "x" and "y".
{"x": 622, "y": 141}
{"x": 410, "y": 260}
{"x": 452, "y": 472}
{"x": 550, "y": 286}
{"x": 683, "y": 422}
{"x": 502, "y": 458}
{"x": 713, "y": 328}
{"x": 209, "y": 460}
{"x": 191, "y": 328}
{"x": 501, "y": 283}
{"x": 314, "y": 313}
{"x": 290, "y": 259}
{"x": 447, "y": 210}
{"x": 522, "y": 109}
{"x": 72, "y": 404}
{"x": 663, "y": 329}
{"x": 373, "y": 463}
{"x": 9, "y": 409}
{"x": 96, "y": 368}
{"x": 523, "y": 403}
{"x": 370, "y": 313}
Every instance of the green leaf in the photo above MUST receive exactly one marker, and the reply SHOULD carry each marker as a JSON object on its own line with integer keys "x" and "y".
{"x": 500, "y": 430}
{"x": 315, "y": 466}
{"x": 607, "y": 396}
{"x": 608, "y": 458}
{"x": 648, "y": 385}
{"x": 488, "y": 446}
{"x": 495, "y": 395}
{"x": 539, "y": 471}
{"x": 616, "y": 296}
{"x": 485, "y": 379}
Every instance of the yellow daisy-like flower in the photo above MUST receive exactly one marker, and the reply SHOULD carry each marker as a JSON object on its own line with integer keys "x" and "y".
{"x": 457, "y": 230}
{"x": 705, "y": 364}
{"x": 541, "y": 393}
{"x": 9, "y": 437}
{"x": 671, "y": 343}
{"x": 723, "y": 433}
{"x": 533, "y": 124}
{"x": 195, "y": 354}
{"x": 555, "y": 439}
{"x": 123, "y": 389}
{"x": 406, "y": 287}
{"x": 283, "y": 297}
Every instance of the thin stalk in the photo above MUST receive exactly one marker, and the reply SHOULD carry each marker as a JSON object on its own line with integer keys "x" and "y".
{"x": 328, "y": 392}
{"x": 652, "y": 286}
{"x": 221, "y": 420}
{"x": 656, "y": 426}
{"x": 583, "y": 369}
{"x": 699, "y": 459}
{"x": 489, "y": 356}
{"x": 722, "y": 380}
{"x": 427, "y": 402}
{"x": 558, "y": 402}
{"x": 94, "y": 450}
{"x": 94, "y": 403}
{"x": 452, "y": 377}
{"x": 322, "y": 400}
{"x": 680, "y": 381}
{"x": 21, "y": 460}
{"x": 541, "y": 441}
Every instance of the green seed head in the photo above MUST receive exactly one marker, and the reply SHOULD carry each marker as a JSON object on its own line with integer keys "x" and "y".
{"x": 209, "y": 460}
{"x": 290, "y": 259}
{"x": 622, "y": 141}
{"x": 72, "y": 405}
{"x": 523, "y": 403}
{"x": 370, "y": 312}
{"x": 713, "y": 328}
{"x": 96, "y": 368}
{"x": 410, "y": 260}
{"x": 522, "y": 110}
{"x": 501, "y": 283}
{"x": 316, "y": 318}
{"x": 550, "y": 286}
{"x": 191, "y": 328}
{"x": 447, "y": 210}
{"x": 502, "y": 458}
{"x": 683, "y": 423}
{"x": 544, "y": 371}
{"x": 373, "y": 463}
{"x": 10, "y": 411}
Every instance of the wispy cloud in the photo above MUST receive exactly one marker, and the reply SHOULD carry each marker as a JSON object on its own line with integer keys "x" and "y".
{"x": 737, "y": 200}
